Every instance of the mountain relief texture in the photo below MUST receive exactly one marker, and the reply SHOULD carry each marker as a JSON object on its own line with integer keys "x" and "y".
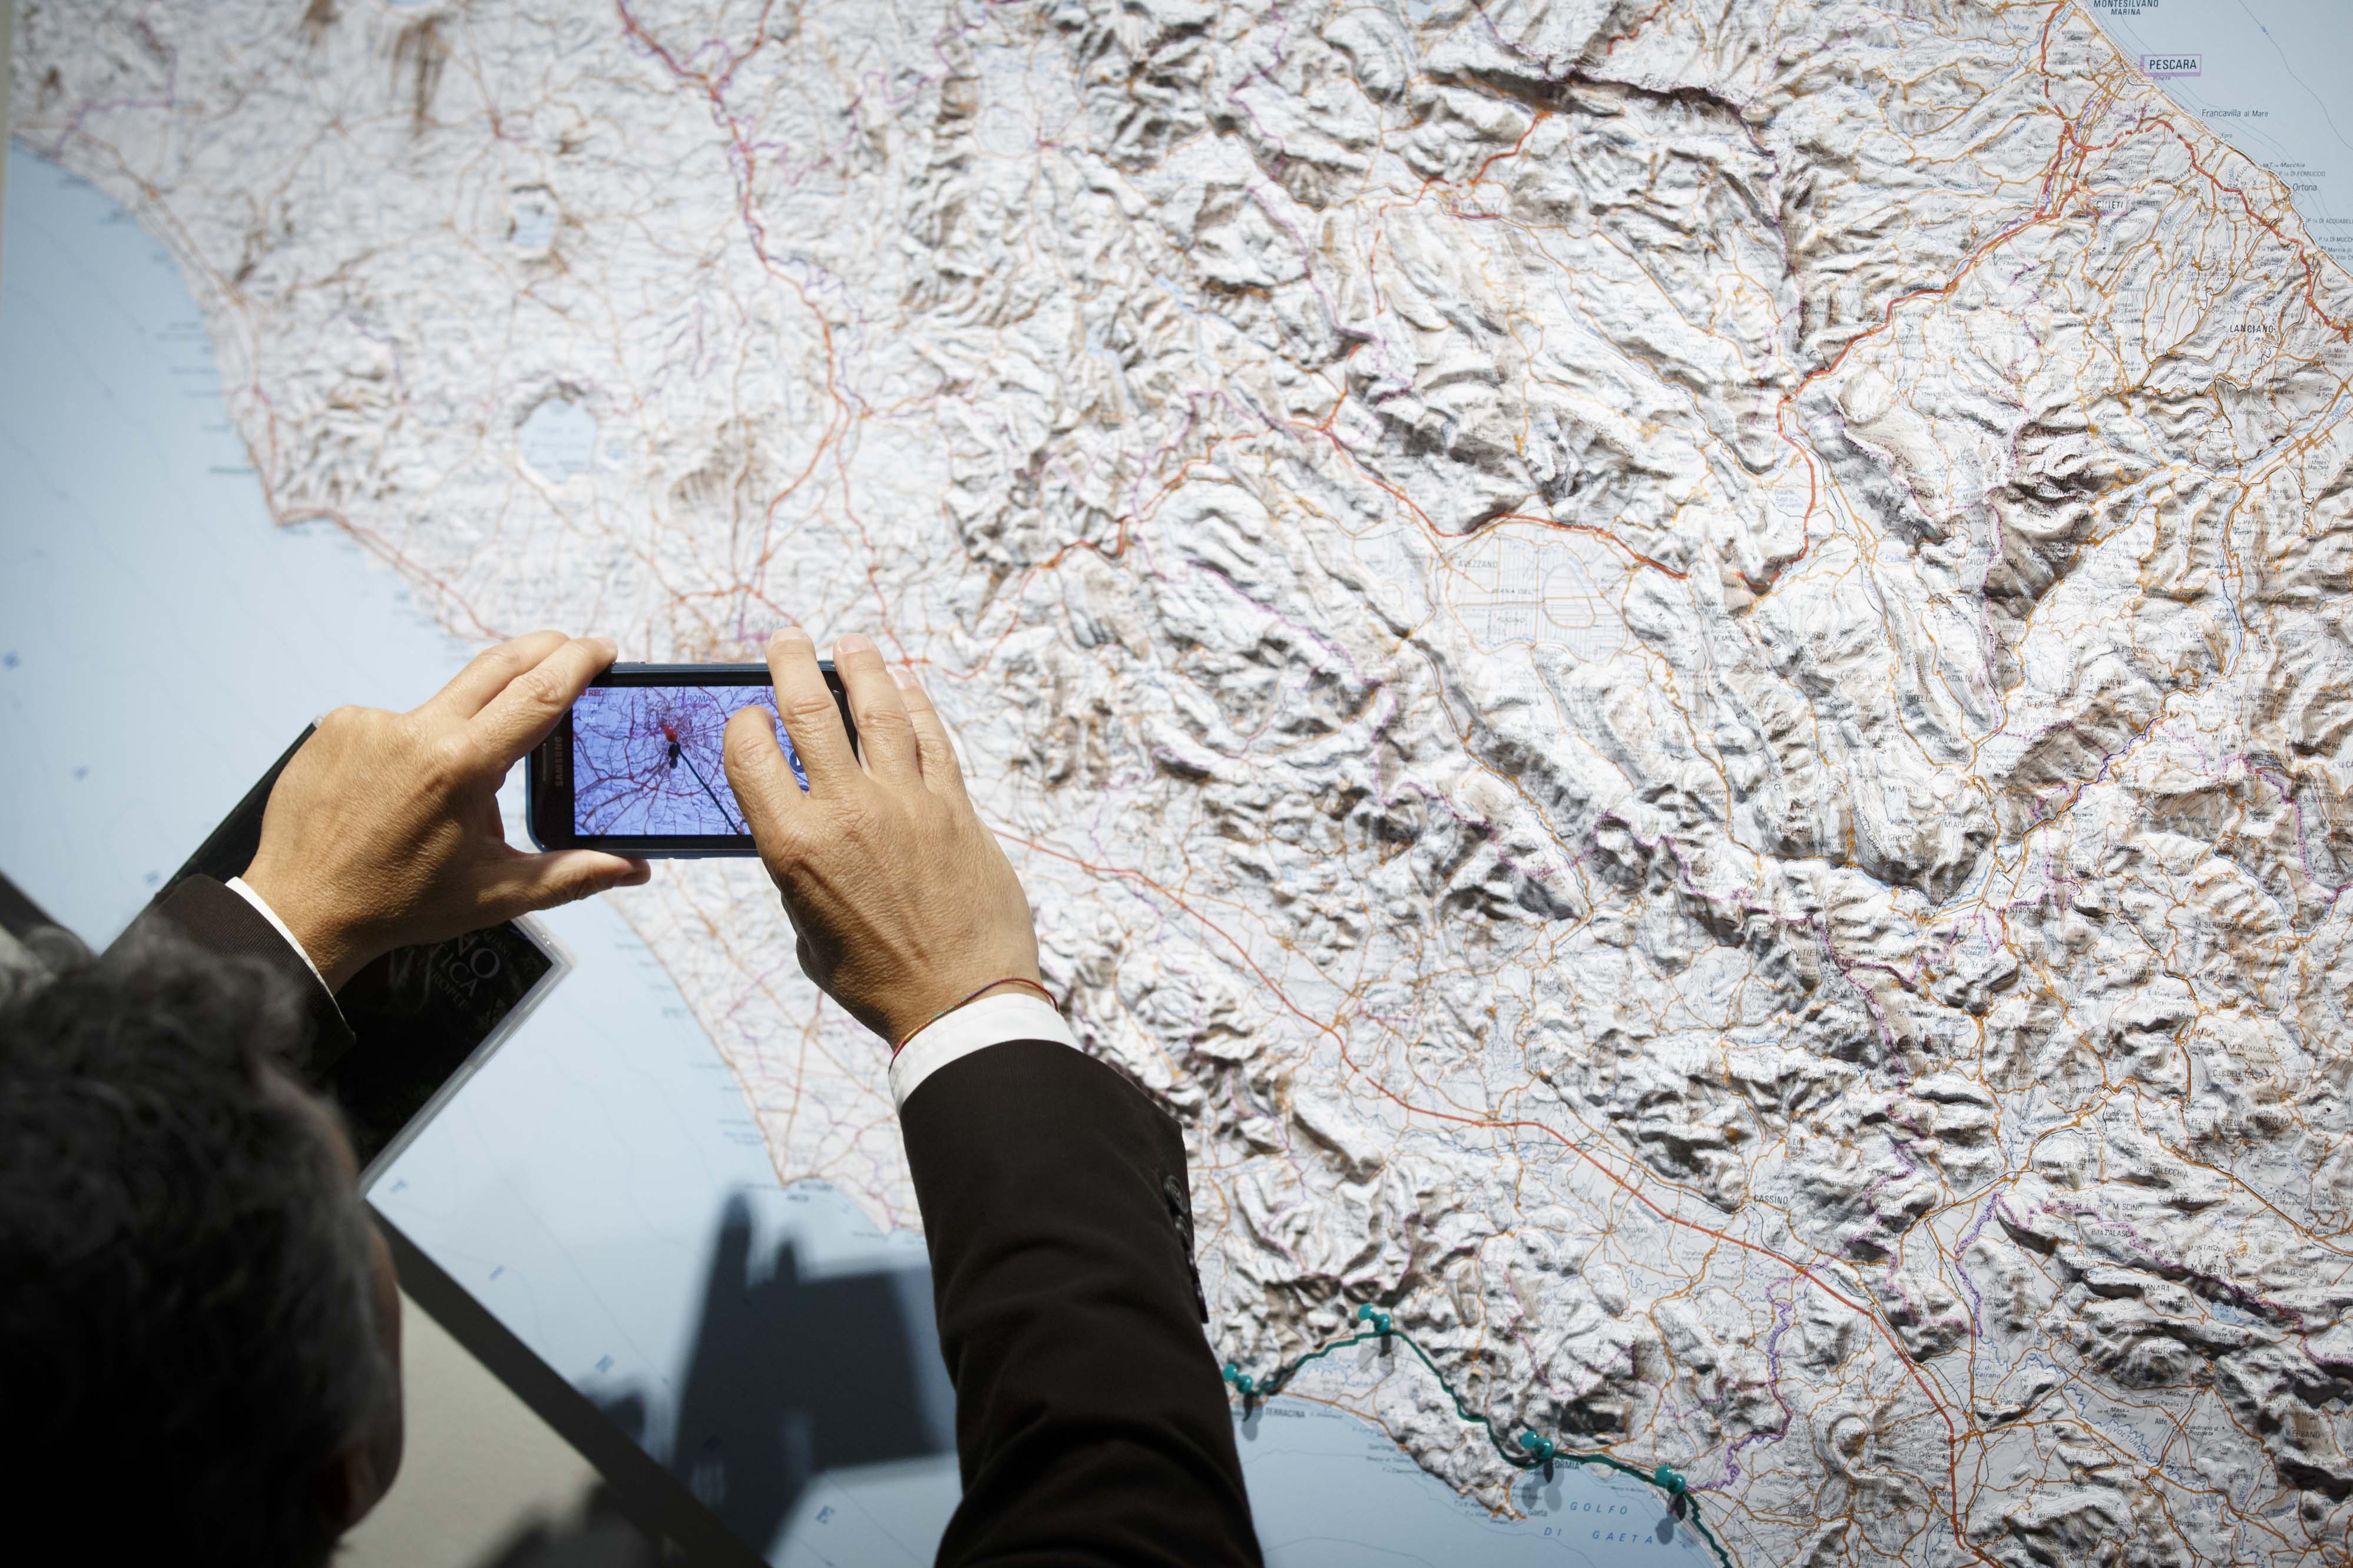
{"x": 1677, "y": 671}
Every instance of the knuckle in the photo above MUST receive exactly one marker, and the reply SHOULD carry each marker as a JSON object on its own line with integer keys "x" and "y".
{"x": 539, "y": 689}
{"x": 741, "y": 744}
{"x": 578, "y": 886}
{"x": 344, "y": 722}
{"x": 783, "y": 853}
{"x": 450, "y": 759}
{"x": 804, "y": 711}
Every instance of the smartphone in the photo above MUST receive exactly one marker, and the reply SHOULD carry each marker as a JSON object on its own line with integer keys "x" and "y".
{"x": 635, "y": 768}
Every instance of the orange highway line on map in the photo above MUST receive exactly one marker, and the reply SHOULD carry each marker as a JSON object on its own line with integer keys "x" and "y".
{"x": 2303, "y": 250}
{"x": 1953, "y": 1436}
{"x": 371, "y": 539}
{"x": 2045, "y": 211}
{"x": 1598, "y": 533}
{"x": 758, "y": 232}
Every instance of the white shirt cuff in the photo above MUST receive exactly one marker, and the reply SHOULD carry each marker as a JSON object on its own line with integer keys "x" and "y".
{"x": 236, "y": 885}
{"x": 991, "y": 1021}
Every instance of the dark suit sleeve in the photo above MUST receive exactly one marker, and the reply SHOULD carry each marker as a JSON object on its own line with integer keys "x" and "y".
{"x": 206, "y": 914}
{"x": 1092, "y": 1423}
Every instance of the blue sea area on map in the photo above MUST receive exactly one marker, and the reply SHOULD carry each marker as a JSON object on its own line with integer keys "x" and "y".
{"x": 600, "y": 1184}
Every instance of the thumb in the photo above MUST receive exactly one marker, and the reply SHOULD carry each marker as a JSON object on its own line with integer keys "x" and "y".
{"x": 529, "y": 882}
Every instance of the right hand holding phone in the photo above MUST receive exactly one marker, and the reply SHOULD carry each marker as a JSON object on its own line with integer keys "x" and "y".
{"x": 904, "y": 903}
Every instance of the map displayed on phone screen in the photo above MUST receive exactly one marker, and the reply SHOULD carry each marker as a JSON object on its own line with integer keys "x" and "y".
{"x": 646, "y": 761}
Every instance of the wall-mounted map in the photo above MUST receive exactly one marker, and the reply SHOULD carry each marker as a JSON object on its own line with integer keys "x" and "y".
{"x": 1679, "y": 671}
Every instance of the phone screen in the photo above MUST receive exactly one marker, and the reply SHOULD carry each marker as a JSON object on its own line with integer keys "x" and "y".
{"x": 638, "y": 766}
{"x": 648, "y": 760}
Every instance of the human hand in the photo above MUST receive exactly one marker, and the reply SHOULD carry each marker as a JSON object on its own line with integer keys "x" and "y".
{"x": 904, "y": 903}
{"x": 383, "y": 830}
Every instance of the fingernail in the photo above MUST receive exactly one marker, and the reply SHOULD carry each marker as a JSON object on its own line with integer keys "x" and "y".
{"x": 789, "y": 633}
{"x": 608, "y": 644}
{"x": 851, "y": 643}
{"x": 905, "y": 678}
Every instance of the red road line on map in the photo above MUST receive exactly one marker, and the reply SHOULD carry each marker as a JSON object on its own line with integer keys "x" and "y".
{"x": 758, "y": 234}
{"x": 1598, "y": 532}
{"x": 2045, "y": 211}
{"x": 2303, "y": 250}
{"x": 370, "y": 539}
{"x": 1952, "y": 1445}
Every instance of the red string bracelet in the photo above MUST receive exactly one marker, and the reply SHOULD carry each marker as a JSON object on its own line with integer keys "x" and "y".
{"x": 1008, "y": 980}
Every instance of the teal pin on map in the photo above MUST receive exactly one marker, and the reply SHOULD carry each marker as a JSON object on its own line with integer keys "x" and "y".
{"x": 1245, "y": 1383}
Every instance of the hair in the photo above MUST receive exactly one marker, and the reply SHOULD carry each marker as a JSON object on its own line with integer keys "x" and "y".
{"x": 187, "y": 1332}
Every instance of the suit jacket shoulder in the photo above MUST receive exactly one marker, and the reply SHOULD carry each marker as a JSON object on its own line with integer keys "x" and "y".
{"x": 208, "y": 915}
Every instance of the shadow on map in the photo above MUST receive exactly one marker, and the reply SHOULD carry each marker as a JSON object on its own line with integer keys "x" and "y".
{"x": 792, "y": 1376}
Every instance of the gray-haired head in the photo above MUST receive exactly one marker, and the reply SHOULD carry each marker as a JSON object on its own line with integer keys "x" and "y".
{"x": 188, "y": 1322}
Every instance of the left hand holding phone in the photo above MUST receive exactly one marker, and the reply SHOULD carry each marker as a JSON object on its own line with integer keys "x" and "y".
{"x": 385, "y": 831}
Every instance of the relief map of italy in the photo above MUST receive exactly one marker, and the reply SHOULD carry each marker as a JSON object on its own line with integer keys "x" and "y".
{"x": 1678, "y": 671}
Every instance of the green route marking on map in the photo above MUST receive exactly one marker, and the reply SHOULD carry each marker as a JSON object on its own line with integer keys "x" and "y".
{"x": 1536, "y": 1450}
